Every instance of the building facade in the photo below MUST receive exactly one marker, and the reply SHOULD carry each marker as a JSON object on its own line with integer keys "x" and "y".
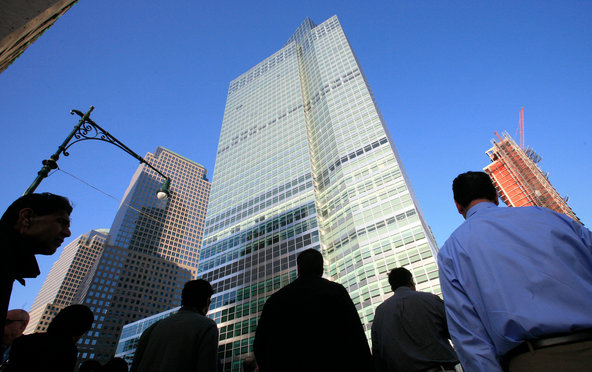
{"x": 518, "y": 179}
{"x": 151, "y": 251}
{"x": 65, "y": 277}
{"x": 131, "y": 333}
{"x": 22, "y": 22}
{"x": 305, "y": 160}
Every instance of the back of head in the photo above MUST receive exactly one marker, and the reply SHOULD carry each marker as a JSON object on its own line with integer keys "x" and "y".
{"x": 73, "y": 321}
{"x": 310, "y": 263}
{"x": 115, "y": 365}
{"x": 196, "y": 293}
{"x": 18, "y": 315}
{"x": 16, "y": 322}
{"x": 42, "y": 204}
{"x": 400, "y": 277}
{"x": 90, "y": 365}
{"x": 249, "y": 365}
{"x": 469, "y": 186}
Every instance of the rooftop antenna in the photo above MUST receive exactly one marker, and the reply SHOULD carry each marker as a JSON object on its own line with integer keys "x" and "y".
{"x": 521, "y": 126}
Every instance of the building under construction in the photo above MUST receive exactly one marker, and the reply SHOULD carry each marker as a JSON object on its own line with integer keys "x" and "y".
{"x": 518, "y": 179}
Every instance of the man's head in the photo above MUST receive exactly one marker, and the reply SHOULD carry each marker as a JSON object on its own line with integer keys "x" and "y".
{"x": 471, "y": 188}
{"x": 250, "y": 365}
{"x": 16, "y": 322}
{"x": 41, "y": 220}
{"x": 90, "y": 365}
{"x": 73, "y": 321}
{"x": 400, "y": 277}
{"x": 197, "y": 293}
{"x": 310, "y": 263}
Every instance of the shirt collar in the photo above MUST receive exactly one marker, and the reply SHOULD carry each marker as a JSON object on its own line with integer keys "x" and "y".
{"x": 191, "y": 309}
{"x": 402, "y": 289}
{"x": 479, "y": 206}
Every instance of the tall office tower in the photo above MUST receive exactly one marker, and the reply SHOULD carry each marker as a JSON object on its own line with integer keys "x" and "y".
{"x": 305, "y": 160}
{"x": 518, "y": 179}
{"x": 151, "y": 251}
{"x": 65, "y": 277}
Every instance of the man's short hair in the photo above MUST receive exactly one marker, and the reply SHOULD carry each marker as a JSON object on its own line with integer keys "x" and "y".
{"x": 196, "y": 293}
{"x": 74, "y": 320}
{"x": 310, "y": 262}
{"x": 249, "y": 365}
{"x": 469, "y": 186}
{"x": 400, "y": 277}
{"x": 42, "y": 204}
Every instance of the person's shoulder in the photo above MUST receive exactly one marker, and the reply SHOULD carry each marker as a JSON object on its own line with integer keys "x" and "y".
{"x": 391, "y": 301}
{"x": 333, "y": 286}
{"x": 429, "y": 296}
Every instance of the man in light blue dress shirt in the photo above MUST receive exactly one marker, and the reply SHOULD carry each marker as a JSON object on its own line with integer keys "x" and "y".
{"x": 517, "y": 284}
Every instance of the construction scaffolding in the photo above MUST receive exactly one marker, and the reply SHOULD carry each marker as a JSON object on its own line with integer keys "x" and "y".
{"x": 518, "y": 179}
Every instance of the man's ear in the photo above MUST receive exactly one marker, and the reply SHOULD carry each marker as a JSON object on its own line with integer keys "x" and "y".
{"x": 459, "y": 207}
{"x": 25, "y": 216}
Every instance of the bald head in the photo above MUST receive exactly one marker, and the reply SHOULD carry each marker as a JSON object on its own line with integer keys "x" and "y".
{"x": 16, "y": 322}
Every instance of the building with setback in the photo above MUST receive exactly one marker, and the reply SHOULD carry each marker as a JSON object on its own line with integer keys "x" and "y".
{"x": 518, "y": 179}
{"x": 151, "y": 251}
{"x": 305, "y": 160}
{"x": 65, "y": 278}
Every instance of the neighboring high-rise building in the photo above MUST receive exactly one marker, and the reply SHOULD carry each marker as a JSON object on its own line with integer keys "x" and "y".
{"x": 131, "y": 333}
{"x": 65, "y": 277}
{"x": 151, "y": 251}
{"x": 305, "y": 160}
{"x": 518, "y": 179}
{"x": 22, "y": 22}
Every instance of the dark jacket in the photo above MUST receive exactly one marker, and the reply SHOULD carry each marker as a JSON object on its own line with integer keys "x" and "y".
{"x": 183, "y": 342}
{"x": 311, "y": 325}
{"x": 410, "y": 333}
{"x": 42, "y": 352}
{"x": 16, "y": 262}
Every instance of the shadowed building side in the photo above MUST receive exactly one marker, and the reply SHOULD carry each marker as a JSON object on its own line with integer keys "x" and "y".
{"x": 151, "y": 251}
{"x": 22, "y": 22}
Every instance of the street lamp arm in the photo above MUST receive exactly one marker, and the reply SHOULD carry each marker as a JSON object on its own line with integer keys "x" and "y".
{"x": 86, "y": 129}
{"x": 89, "y": 130}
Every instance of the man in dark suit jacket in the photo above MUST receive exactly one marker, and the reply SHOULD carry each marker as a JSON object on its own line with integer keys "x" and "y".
{"x": 186, "y": 341}
{"x": 311, "y": 325}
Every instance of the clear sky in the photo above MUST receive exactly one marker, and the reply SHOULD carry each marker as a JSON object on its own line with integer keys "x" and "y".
{"x": 446, "y": 75}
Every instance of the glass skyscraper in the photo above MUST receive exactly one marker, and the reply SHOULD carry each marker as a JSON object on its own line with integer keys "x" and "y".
{"x": 305, "y": 160}
{"x": 151, "y": 251}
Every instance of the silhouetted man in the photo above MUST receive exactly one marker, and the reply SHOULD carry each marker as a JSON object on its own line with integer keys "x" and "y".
{"x": 517, "y": 284}
{"x": 15, "y": 325}
{"x": 33, "y": 224}
{"x": 185, "y": 341}
{"x": 54, "y": 350}
{"x": 311, "y": 325}
{"x": 409, "y": 331}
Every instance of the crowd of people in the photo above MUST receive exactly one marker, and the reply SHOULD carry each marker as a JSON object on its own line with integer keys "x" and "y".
{"x": 516, "y": 286}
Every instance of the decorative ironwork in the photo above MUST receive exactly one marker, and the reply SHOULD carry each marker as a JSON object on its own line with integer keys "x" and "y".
{"x": 86, "y": 129}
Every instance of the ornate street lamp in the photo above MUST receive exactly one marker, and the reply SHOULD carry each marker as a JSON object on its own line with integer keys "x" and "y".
{"x": 86, "y": 129}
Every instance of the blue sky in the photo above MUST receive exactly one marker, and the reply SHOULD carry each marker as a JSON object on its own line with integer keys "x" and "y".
{"x": 446, "y": 75}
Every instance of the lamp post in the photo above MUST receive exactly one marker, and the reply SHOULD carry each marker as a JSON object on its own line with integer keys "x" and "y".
{"x": 86, "y": 129}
